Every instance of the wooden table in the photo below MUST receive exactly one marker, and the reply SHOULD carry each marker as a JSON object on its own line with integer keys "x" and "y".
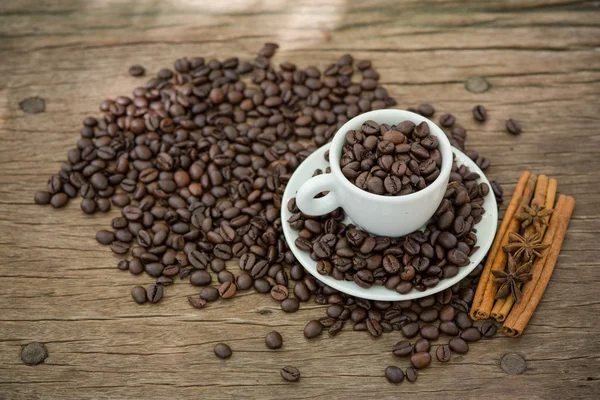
{"x": 59, "y": 287}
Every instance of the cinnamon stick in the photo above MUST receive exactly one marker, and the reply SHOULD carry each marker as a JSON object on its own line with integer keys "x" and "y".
{"x": 511, "y": 210}
{"x": 532, "y": 294}
{"x": 489, "y": 289}
{"x": 543, "y": 195}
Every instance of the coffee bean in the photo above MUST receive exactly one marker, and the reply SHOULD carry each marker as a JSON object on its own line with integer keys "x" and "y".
{"x": 430, "y": 332}
{"x": 420, "y": 360}
{"x": 463, "y": 320}
{"x": 488, "y": 329}
{"x": 139, "y": 294}
{"x": 480, "y": 113}
{"x": 410, "y": 330}
{"x": 227, "y": 290}
{"x": 136, "y": 70}
{"x": 394, "y": 374}
{"x": 105, "y": 237}
{"x": 422, "y": 345}
{"x": 513, "y": 126}
{"x": 209, "y": 293}
{"x": 273, "y": 340}
{"x": 279, "y": 292}
{"x": 196, "y": 301}
{"x": 471, "y": 334}
{"x": 449, "y": 328}
{"x": 41, "y": 197}
{"x": 290, "y": 305}
{"x": 200, "y": 278}
{"x": 411, "y": 374}
{"x": 447, "y": 313}
{"x": 313, "y": 329}
{"x": 443, "y": 354}
{"x": 447, "y": 120}
{"x": 222, "y": 350}
{"x": 402, "y": 349}
{"x": 290, "y": 374}
{"x": 458, "y": 345}
{"x": 154, "y": 293}
{"x": 59, "y": 200}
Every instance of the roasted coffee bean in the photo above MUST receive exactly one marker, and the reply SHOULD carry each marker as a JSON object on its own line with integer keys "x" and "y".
{"x": 488, "y": 329}
{"x": 410, "y": 330}
{"x": 430, "y": 332}
{"x": 313, "y": 329}
{"x": 411, "y": 374}
{"x": 458, "y": 345}
{"x": 402, "y": 349}
{"x": 154, "y": 293}
{"x": 449, "y": 328}
{"x": 227, "y": 290}
{"x": 463, "y": 320}
{"x": 480, "y": 113}
{"x": 471, "y": 334}
{"x": 443, "y": 353}
{"x": 290, "y": 374}
{"x": 422, "y": 345}
{"x": 290, "y": 305}
{"x": 209, "y": 293}
{"x": 420, "y": 360}
{"x": 394, "y": 374}
{"x": 196, "y": 301}
{"x": 136, "y": 70}
{"x": 222, "y": 350}
{"x": 513, "y": 126}
{"x": 200, "y": 278}
{"x": 139, "y": 294}
{"x": 105, "y": 237}
{"x": 279, "y": 292}
{"x": 273, "y": 340}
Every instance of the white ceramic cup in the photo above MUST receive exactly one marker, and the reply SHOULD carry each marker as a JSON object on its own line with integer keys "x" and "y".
{"x": 379, "y": 215}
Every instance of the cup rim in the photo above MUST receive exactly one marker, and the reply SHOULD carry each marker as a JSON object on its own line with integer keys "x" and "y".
{"x": 402, "y": 115}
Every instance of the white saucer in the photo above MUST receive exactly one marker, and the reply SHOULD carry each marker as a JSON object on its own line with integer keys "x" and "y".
{"x": 486, "y": 229}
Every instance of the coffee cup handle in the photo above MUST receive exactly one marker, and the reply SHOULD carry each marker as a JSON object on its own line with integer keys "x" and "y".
{"x": 305, "y": 197}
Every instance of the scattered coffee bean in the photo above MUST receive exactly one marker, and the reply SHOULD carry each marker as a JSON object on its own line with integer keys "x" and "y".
{"x": 313, "y": 329}
{"x": 139, "y": 294}
{"x": 488, "y": 329}
{"x": 273, "y": 340}
{"x": 443, "y": 354}
{"x": 458, "y": 345}
{"x": 411, "y": 374}
{"x": 290, "y": 305}
{"x": 394, "y": 374}
{"x": 480, "y": 113}
{"x": 136, "y": 70}
{"x": 513, "y": 126}
{"x": 222, "y": 350}
{"x": 420, "y": 360}
{"x": 290, "y": 374}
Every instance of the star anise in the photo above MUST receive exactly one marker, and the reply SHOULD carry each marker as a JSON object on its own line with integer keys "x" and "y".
{"x": 523, "y": 248}
{"x": 509, "y": 280}
{"x": 534, "y": 215}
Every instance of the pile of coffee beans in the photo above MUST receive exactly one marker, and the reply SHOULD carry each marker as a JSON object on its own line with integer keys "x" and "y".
{"x": 197, "y": 160}
{"x": 420, "y": 260}
{"x": 391, "y": 160}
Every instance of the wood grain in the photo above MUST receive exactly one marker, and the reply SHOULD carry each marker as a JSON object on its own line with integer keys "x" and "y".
{"x": 61, "y": 288}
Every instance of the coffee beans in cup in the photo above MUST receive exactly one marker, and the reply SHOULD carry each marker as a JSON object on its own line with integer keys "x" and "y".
{"x": 391, "y": 160}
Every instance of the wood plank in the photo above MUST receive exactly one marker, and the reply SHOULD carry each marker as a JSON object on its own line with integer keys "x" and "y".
{"x": 61, "y": 288}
